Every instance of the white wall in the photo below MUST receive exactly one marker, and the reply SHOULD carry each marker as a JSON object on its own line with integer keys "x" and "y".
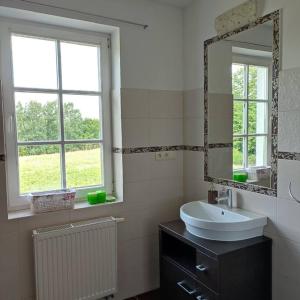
{"x": 151, "y": 63}
{"x": 150, "y": 59}
{"x": 199, "y": 26}
{"x": 283, "y": 213}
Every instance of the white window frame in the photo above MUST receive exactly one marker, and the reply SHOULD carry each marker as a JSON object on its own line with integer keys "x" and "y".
{"x": 9, "y": 27}
{"x": 253, "y": 61}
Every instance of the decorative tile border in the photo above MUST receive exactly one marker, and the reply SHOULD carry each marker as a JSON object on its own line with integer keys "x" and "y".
{"x": 194, "y": 148}
{"x": 147, "y": 149}
{"x": 169, "y": 148}
{"x": 220, "y": 145}
{"x": 289, "y": 155}
{"x": 275, "y": 17}
{"x": 243, "y": 186}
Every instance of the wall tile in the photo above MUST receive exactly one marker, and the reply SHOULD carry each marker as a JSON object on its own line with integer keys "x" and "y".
{"x": 166, "y": 132}
{"x": 137, "y": 275}
{"x": 44, "y": 220}
{"x": 288, "y": 258}
{"x": 193, "y": 104}
{"x": 159, "y": 213}
{"x": 136, "y": 167}
{"x": 194, "y": 165}
{"x": 288, "y": 127}
{"x": 166, "y": 190}
{"x": 195, "y": 190}
{"x": 150, "y": 264}
{"x": 286, "y": 288}
{"x": 135, "y": 132}
{"x": 220, "y": 163}
{"x": 260, "y": 204}
{"x": 166, "y": 168}
{"x": 193, "y": 131}
{"x": 135, "y": 103}
{"x": 165, "y": 104}
{"x": 136, "y": 199}
{"x": 99, "y": 211}
{"x": 26, "y": 265}
{"x": 288, "y": 171}
{"x": 128, "y": 268}
{"x": 220, "y": 118}
{"x": 289, "y": 90}
{"x": 8, "y": 227}
{"x": 9, "y": 267}
{"x": 288, "y": 221}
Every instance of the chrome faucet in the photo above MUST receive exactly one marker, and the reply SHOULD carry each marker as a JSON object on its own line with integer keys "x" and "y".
{"x": 225, "y": 197}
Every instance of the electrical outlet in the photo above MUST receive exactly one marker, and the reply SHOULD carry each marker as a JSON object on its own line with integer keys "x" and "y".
{"x": 165, "y": 155}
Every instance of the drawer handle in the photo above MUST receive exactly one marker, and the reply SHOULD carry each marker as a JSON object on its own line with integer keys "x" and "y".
{"x": 186, "y": 288}
{"x": 201, "y": 268}
{"x": 201, "y": 298}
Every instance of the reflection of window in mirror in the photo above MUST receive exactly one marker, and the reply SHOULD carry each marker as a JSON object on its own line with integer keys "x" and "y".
{"x": 251, "y": 88}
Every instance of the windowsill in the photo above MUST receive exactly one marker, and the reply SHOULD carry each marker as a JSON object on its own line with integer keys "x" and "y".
{"x": 27, "y": 213}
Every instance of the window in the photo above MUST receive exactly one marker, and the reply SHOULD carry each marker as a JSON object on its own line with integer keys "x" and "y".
{"x": 57, "y": 107}
{"x": 250, "y": 122}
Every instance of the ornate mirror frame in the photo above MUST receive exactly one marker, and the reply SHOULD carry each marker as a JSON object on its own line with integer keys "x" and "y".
{"x": 275, "y": 18}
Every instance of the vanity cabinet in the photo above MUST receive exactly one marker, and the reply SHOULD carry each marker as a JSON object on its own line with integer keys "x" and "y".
{"x": 195, "y": 268}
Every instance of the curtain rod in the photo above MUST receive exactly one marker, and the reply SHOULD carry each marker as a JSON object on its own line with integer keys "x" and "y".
{"x": 88, "y": 14}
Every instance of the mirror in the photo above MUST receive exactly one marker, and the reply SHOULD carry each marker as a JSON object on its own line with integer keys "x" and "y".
{"x": 241, "y": 88}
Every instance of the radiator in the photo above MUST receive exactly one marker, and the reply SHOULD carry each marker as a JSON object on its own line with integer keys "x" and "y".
{"x": 76, "y": 261}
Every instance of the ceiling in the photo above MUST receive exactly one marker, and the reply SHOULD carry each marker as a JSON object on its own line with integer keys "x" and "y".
{"x": 178, "y": 3}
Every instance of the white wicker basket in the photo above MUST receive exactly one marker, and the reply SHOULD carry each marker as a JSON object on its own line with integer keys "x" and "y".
{"x": 52, "y": 201}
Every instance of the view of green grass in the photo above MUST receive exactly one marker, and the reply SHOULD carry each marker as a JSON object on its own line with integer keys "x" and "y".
{"x": 238, "y": 159}
{"x": 42, "y": 172}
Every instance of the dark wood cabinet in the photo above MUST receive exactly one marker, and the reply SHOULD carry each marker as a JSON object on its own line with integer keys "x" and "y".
{"x": 195, "y": 268}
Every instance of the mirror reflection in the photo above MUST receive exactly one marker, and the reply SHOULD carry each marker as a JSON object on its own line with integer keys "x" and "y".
{"x": 240, "y": 105}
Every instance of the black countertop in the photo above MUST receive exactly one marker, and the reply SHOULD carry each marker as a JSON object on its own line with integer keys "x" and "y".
{"x": 212, "y": 248}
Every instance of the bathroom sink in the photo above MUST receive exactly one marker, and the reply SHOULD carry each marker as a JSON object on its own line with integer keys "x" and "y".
{"x": 217, "y": 222}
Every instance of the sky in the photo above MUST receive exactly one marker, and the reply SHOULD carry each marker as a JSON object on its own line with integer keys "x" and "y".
{"x": 35, "y": 66}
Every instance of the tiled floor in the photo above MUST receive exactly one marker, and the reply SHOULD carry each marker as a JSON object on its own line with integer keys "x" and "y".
{"x": 154, "y": 295}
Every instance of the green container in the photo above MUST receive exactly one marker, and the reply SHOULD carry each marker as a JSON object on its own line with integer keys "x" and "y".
{"x": 92, "y": 198}
{"x": 240, "y": 176}
{"x": 101, "y": 196}
{"x": 96, "y": 197}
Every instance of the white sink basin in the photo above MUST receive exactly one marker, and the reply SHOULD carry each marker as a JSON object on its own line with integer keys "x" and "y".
{"x": 217, "y": 222}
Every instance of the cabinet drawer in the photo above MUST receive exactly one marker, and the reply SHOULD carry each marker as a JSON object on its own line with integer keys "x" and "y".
{"x": 178, "y": 285}
{"x": 207, "y": 271}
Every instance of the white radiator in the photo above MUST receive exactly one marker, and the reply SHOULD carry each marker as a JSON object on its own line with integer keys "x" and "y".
{"x": 76, "y": 261}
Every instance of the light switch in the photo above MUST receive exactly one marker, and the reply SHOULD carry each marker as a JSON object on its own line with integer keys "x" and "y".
{"x": 165, "y": 155}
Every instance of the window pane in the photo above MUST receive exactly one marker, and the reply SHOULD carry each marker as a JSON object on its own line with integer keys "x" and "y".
{"x": 81, "y": 117}
{"x": 239, "y": 81}
{"x": 34, "y": 62}
{"x": 238, "y": 117}
{"x": 238, "y": 153}
{"x": 258, "y": 117}
{"x": 80, "y": 67}
{"x": 39, "y": 168}
{"x": 258, "y": 83}
{"x": 37, "y": 117}
{"x": 84, "y": 165}
{"x": 257, "y": 151}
